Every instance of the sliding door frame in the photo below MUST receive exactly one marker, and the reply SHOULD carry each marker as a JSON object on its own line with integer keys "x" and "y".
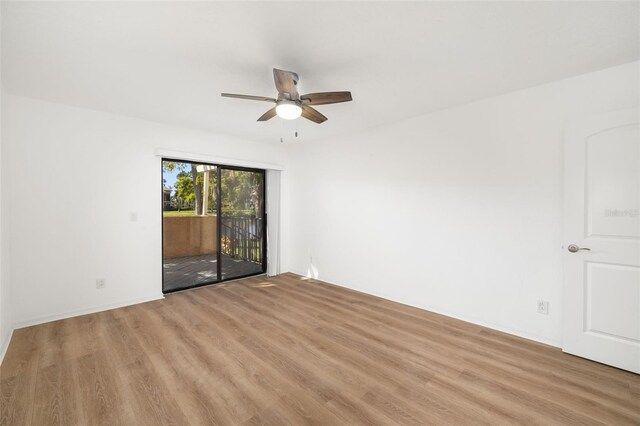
{"x": 219, "y": 168}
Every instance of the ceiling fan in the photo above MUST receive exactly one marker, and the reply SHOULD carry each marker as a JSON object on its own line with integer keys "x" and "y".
{"x": 290, "y": 105}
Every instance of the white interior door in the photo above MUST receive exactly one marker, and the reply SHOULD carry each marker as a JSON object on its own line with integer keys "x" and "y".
{"x": 602, "y": 240}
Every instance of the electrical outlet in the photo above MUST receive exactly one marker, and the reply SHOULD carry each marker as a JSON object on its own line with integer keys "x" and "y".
{"x": 543, "y": 307}
{"x": 100, "y": 283}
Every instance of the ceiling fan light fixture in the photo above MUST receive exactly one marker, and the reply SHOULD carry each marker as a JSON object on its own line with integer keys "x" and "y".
{"x": 288, "y": 110}
{"x": 290, "y": 105}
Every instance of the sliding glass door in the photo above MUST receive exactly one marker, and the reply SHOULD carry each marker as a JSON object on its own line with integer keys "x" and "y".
{"x": 242, "y": 222}
{"x": 213, "y": 223}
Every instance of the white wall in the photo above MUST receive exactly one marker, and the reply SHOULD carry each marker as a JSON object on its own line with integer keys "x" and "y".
{"x": 74, "y": 177}
{"x": 5, "y": 306}
{"x": 457, "y": 211}
{"x": 473, "y": 232}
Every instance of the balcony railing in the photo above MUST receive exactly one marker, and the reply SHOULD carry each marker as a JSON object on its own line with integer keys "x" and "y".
{"x": 242, "y": 238}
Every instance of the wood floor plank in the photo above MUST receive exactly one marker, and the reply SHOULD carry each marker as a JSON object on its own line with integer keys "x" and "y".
{"x": 54, "y": 396}
{"x": 439, "y": 410}
{"x": 102, "y": 402}
{"x": 474, "y": 349}
{"x": 189, "y": 381}
{"x": 292, "y": 372}
{"x": 18, "y": 375}
{"x": 224, "y": 385}
{"x": 311, "y": 317}
{"x": 287, "y": 350}
{"x": 313, "y": 330}
{"x": 291, "y": 376}
{"x": 151, "y": 400}
{"x": 491, "y": 339}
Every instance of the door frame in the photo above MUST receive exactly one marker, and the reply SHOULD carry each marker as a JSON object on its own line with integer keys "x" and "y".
{"x": 219, "y": 168}
{"x": 263, "y": 172}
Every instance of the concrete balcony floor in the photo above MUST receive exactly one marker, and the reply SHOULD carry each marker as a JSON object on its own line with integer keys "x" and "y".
{"x": 187, "y": 271}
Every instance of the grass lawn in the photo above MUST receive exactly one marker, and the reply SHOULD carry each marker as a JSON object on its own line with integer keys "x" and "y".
{"x": 225, "y": 213}
{"x": 179, "y": 213}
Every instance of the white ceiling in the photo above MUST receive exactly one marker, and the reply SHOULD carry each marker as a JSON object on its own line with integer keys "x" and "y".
{"x": 169, "y": 61}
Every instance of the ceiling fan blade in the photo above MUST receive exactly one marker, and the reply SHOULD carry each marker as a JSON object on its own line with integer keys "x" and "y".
{"x": 249, "y": 97}
{"x": 286, "y": 82}
{"x": 324, "y": 98}
{"x": 268, "y": 115}
{"x": 313, "y": 114}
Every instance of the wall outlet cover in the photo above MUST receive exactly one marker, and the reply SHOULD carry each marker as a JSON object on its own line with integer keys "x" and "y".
{"x": 543, "y": 307}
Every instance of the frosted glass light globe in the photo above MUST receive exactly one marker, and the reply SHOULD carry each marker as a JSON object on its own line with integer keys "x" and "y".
{"x": 289, "y": 110}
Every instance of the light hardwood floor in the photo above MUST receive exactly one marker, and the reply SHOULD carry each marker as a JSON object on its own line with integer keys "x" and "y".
{"x": 289, "y": 351}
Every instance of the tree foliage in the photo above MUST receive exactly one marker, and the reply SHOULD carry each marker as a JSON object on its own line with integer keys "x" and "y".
{"x": 190, "y": 169}
{"x": 241, "y": 190}
{"x": 184, "y": 186}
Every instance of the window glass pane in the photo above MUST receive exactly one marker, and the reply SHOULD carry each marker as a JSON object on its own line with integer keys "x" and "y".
{"x": 241, "y": 227}
{"x": 189, "y": 224}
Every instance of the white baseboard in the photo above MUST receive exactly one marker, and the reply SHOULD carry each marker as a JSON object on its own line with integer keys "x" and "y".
{"x": 536, "y": 338}
{"x": 85, "y": 311}
{"x": 69, "y": 314}
{"x": 514, "y": 332}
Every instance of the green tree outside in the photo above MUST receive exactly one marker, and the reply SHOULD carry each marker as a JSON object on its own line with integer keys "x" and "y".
{"x": 241, "y": 190}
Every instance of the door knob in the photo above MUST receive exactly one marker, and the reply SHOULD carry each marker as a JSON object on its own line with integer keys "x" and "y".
{"x": 574, "y": 248}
